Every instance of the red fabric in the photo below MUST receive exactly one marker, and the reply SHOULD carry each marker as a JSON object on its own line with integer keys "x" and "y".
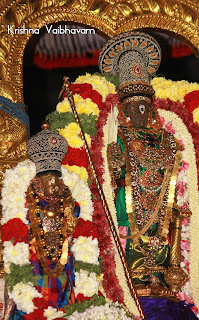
{"x": 14, "y": 229}
{"x": 65, "y": 61}
{"x": 180, "y": 51}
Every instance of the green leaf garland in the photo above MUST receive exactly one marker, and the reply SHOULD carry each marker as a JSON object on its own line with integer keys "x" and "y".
{"x": 59, "y": 120}
{"x": 20, "y": 274}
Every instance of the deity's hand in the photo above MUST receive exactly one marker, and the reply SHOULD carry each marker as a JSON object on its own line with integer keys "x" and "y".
{"x": 71, "y": 220}
{"x": 116, "y": 159}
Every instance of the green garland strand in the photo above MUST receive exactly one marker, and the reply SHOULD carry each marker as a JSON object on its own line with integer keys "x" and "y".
{"x": 82, "y": 306}
{"x": 88, "y": 267}
{"x": 20, "y": 274}
{"x": 61, "y": 120}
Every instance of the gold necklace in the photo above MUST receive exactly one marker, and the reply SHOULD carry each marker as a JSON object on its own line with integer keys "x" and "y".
{"x": 50, "y": 235}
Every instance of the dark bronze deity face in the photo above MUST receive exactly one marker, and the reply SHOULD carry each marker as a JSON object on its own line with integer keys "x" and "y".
{"x": 138, "y": 110}
{"x": 50, "y": 183}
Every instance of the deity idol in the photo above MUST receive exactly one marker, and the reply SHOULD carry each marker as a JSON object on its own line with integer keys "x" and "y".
{"x": 51, "y": 218}
{"x": 51, "y": 214}
{"x": 143, "y": 162}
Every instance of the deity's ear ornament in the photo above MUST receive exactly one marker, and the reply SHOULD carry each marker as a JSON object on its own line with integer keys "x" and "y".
{"x": 136, "y": 57}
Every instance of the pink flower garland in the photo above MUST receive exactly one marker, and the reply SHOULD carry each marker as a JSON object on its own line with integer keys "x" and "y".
{"x": 193, "y": 129}
{"x": 186, "y": 116}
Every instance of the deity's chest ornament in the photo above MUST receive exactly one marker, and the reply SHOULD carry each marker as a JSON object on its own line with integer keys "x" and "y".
{"x": 52, "y": 225}
{"x": 150, "y": 165}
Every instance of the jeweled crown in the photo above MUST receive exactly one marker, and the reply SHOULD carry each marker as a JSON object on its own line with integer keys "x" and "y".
{"x": 135, "y": 56}
{"x": 47, "y": 150}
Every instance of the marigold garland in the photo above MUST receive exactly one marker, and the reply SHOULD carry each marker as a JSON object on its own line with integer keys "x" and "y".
{"x": 178, "y": 92}
{"x": 99, "y": 83}
{"x": 174, "y": 90}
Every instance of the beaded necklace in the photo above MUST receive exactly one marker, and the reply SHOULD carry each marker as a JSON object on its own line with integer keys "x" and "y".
{"x": 49, "y": 228}
{"x": 140, "y": 220}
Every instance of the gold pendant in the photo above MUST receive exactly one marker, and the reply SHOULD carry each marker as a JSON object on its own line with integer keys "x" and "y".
{"x": 50, "y": 211}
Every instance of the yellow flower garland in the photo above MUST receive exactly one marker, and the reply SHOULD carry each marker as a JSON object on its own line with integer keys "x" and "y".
{"x": 72, "y": 135}
{"x": 98, "y": 83}
{"x": 174, "y": 90}
{"x": 82, "y": 105}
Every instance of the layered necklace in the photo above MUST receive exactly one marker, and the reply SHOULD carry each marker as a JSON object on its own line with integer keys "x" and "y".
{"x": 148, "y": 173}
{"x": 49, "y": 225}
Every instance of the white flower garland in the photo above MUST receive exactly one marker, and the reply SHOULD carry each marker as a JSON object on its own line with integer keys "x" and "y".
{"x": 191, "y": 288}
{"x": 110, "y": 311}
{"x": 14, "y": 189}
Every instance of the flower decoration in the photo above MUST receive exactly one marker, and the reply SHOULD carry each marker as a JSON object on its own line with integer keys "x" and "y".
{"x": 76, "y": 157}
{"x": 110, "y": 311}
{"x": 86, "y": 249}
{"x": 72, "y": 134}
{"x": 99, "y": 83}
{"x": 85, "y": 90}
{"x": 14, "y": 230}
{"x": 16, "y": 252}
{"x": 80, "y": 171}
{"x": 174, "y": 90}
{"x": 191, "y": 100}
{"x": 82, "y": 105}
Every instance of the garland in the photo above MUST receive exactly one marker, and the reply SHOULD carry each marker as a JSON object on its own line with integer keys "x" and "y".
{"x": 15, "y": 239}
{"x": 110, "y": 200}
{"x": 187, "y": 197}
{"x": 173, "y": 90}
{"x": 111, "y": 285}
{"x": 189, "y": 101}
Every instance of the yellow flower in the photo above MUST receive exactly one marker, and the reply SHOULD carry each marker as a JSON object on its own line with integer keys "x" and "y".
{"x": 85, "y": 105}
{"x": 80, "y": 171}
{"x": 100, "y": 84}
{"x": 196, "y": 115}
{"x": 82, "y": 105}
{"x": 71, "y": 134}
{"x": 63, "y": 106}
{"x": 174, "y": 90}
